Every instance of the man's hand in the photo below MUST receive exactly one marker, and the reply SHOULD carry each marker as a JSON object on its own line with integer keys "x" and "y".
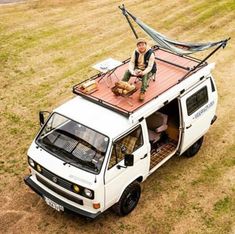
{"x": 138, "y": 73}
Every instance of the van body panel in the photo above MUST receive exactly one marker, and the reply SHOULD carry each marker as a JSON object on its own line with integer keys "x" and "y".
{"x": 197, "y": 123}
{"x": 59, "y": 167}
{"x": 67, "y": 172}
{"x": 95, "y": 116}
{"x": 117, "y": 179}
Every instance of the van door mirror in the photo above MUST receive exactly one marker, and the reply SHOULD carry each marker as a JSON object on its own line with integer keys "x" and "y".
{"x": 43, "y": 115}
{"x": 129, "y": 160}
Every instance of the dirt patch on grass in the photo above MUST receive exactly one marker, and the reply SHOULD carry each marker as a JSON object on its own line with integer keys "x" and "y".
{"x": 9, "y": 219}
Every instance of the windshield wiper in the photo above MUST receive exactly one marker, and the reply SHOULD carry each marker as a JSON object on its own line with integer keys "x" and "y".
{"x": 67, "y": 162}
{"x": 68, "y": 158}
{"x": 55, "y": 149}
{"x": 87, "y": 164}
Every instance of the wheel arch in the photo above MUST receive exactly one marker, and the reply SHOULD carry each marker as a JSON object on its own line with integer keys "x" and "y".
{"x": 139, "y": 179}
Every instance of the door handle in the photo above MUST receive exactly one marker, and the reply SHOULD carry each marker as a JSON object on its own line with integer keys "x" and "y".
{"x": 144, "y": 156}
{"x": 119, "y": 167}
{"x": 189, "y": 126}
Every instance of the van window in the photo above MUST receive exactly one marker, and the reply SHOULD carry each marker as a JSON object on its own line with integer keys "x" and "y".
{"x": 197, "y": 100}
{"x": 126, "y": 144}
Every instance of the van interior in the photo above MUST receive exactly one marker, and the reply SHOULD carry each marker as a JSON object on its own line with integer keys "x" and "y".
{"x": 163, "y": 129}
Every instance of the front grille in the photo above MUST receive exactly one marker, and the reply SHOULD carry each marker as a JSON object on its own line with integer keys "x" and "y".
{"x": 62, "y": 182}
{"x": 59, "y": 191}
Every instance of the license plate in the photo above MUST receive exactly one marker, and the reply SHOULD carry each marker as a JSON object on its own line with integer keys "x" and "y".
{"x": 53, "y": 204}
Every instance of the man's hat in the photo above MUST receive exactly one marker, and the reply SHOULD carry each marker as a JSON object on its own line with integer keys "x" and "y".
{"x": 141, "y": 40}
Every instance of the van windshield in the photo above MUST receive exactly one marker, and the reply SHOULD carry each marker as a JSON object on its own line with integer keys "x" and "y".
{"x": 74, "y": 143}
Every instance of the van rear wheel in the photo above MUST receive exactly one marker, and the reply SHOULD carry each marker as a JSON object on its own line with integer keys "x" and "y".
{"x": 128, "y": 200}
{"x": 193, "y": 149}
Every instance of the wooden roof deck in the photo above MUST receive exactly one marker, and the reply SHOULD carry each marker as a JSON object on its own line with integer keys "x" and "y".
{"x": 167, "y": 76}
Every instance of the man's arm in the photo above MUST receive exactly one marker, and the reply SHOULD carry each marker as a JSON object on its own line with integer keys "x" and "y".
{"x": 131, "y": 66}
{"x": 150, "y": 65}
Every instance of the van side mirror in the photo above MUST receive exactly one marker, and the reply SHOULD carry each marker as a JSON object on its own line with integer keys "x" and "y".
{"x": 129, "y": 160}
{"x": 42, "y": 116}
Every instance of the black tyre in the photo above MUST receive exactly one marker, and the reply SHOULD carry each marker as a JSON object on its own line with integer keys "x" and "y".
{"x": 128, "y": 200}
{"x": 192, "y": 151}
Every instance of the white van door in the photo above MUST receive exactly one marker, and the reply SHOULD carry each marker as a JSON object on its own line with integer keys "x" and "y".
{"x": 117, "y": 178}
{"x": 197, "y": 111}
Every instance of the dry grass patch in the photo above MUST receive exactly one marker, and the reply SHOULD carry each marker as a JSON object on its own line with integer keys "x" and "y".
{"x": 48, "y": 46}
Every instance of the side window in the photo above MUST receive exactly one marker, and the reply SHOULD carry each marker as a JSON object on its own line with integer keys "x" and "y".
{"x": 126, "y": 144}
{"x": 197, "y": 100}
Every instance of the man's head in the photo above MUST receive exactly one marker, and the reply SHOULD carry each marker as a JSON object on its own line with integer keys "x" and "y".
{"x": 141, "y": 44}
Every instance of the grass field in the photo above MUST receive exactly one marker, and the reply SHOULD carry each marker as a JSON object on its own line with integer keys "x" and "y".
{"x": 48, "y": 46}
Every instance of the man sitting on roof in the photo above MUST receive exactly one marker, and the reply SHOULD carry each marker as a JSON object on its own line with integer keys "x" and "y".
{"x": 142, "y": 64}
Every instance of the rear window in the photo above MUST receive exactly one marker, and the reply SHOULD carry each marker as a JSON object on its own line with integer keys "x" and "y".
{"x": 197, "y": 100}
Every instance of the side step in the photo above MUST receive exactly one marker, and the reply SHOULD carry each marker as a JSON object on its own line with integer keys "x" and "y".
{"x": 162, "y": 152}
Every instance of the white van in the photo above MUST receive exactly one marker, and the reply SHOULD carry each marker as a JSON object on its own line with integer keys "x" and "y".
{"x": 93, "y": 151}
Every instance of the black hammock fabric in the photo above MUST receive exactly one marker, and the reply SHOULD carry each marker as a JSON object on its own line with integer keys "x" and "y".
{"x": 174, "y": 46}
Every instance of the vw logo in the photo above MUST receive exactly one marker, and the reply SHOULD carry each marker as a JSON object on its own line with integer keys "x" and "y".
{"x": 54, "y": 179}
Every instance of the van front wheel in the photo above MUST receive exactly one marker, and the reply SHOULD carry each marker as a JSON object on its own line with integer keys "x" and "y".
{"x": 128, "y": 200}
{"x": 193, "y": 149}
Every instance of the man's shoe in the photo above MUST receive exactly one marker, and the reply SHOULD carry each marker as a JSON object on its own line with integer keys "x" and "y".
{"x": 141, "y": 97}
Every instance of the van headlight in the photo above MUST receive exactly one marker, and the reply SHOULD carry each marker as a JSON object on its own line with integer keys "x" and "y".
{"x": 31, "y": 162}
{"x": 85, "y": 192}
{"x": 88, "y": 192}
{"x": 38, "y": 168}
{"x": 75, "y": 188}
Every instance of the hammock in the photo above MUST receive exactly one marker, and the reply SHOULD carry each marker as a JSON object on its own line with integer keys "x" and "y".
{"x": 164, "y": 42}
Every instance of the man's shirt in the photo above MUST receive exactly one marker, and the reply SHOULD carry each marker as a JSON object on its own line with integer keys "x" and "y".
{"x": 140, "y": 62}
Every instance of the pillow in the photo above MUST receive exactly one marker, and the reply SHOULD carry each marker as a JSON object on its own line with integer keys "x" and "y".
{"x": 156, "y": 120}
{"x": 129, "y": 142}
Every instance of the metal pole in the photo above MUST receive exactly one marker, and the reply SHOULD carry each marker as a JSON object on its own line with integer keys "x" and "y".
{"x": 129, "y": 22}
{"x": 223, "y": 43}
{"x": 209, "y": 55}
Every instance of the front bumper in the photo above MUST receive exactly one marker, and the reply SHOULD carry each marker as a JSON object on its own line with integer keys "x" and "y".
{"x": 37, "y": 189}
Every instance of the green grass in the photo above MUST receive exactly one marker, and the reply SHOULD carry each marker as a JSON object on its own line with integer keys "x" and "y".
{"x": 224, "y": 205}
{"x": 212, "y": 172}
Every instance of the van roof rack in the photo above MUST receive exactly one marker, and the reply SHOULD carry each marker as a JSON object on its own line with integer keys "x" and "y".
{"x": 172, "y": 69}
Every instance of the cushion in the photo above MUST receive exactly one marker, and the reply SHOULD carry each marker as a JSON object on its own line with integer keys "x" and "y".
{"x": 156, "y": 120}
